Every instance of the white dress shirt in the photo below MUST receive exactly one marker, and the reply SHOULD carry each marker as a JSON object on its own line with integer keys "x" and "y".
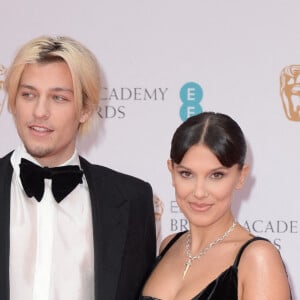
{"x": 51, "y": 244}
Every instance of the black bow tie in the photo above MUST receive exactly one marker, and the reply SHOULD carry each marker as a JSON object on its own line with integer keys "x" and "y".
{"x": 64, "y": 179}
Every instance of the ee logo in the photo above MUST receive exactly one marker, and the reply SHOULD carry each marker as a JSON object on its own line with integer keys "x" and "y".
{"x": 191, "y": 95}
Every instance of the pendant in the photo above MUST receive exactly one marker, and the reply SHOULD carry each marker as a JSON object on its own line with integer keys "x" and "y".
{"x": 187, "y": 264}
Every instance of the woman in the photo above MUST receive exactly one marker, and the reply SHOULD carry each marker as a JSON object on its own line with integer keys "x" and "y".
{"x": 217, "y": 258}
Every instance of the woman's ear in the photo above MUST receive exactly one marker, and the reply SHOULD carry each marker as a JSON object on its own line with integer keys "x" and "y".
{"x": 243, "y": 176}
{"x": 171, "y": 169}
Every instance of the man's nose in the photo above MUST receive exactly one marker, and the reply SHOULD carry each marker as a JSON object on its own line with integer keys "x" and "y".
{"x": 41, "y": 109}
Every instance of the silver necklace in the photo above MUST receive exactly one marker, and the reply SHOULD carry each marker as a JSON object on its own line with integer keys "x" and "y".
{"x": 191, "y": 258}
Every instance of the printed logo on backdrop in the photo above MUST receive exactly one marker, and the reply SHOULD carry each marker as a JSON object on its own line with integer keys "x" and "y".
{"x": 278, "y": 231}
{"x": 290, "y": 91}
{"x": 2, "y": 73}
{"x": 178, "y": 222}
{"x": 191, "y": 95}
{"x": 158, "y": 212}
{"x": 114, "y": 101}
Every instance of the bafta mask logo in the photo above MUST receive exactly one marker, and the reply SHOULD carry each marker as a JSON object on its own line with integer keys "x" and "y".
{"x": 158, "y": 211}
{"x": 2, "y": 72}
{"x": 290, "y": 91}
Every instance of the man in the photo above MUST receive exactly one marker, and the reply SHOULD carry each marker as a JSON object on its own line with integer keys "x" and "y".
{"x": 80, "y": 231}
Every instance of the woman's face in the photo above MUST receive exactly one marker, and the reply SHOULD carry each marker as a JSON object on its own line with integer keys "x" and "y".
{"x": 203, "y": 186}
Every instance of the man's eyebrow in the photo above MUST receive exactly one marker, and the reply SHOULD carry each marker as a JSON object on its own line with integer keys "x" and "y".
{"x": 62, "y": 89}
{"x": 27, "y": 86}
{"x": 56, "y": 89}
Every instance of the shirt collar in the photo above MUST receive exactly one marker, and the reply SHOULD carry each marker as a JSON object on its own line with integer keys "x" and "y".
{"x": 20, "y": 152}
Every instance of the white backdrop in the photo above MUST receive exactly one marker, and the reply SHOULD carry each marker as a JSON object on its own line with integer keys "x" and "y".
{"x": 234, "y": 50}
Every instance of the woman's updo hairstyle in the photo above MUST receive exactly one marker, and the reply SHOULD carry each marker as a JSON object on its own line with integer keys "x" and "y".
{"x": 217, "y": 131}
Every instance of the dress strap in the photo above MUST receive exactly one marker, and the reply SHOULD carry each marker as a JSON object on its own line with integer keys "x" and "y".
{"x": 168, "y": 246}
{"x": 171, "y": 242}
{"x": 238, "y": 257}
{"x": 160, "y": 256}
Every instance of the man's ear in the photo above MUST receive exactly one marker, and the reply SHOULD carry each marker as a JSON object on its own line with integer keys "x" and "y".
{"x": 243, "y": 176}
{"x": 85, "y": 114}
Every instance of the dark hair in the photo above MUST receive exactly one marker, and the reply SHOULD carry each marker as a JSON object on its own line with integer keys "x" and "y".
{"x": 219, "y": 132}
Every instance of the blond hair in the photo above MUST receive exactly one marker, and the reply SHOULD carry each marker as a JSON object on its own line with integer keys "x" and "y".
{"x": 81, "y": 61}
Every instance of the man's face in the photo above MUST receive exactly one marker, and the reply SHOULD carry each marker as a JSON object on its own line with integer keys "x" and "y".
{"x": 45, "y": 113}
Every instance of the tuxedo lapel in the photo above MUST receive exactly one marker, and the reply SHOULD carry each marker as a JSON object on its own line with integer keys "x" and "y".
{"x": 110, "y": 211}
{"x": 6, "y": 171}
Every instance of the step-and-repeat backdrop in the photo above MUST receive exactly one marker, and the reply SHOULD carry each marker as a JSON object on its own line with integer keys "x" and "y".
{"x": 163, "y": 61}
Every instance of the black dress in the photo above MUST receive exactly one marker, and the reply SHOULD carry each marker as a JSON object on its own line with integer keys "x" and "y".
{"x": 225, "y": 286}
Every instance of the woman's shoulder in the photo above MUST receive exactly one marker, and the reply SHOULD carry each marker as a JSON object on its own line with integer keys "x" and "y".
{"x": 259, "y": 250}
{"x": 261, "y": 265}
{"x": 168, "y": 241}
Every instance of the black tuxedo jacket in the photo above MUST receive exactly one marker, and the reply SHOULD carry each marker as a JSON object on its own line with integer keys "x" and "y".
{"x": 123, "y": 230}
